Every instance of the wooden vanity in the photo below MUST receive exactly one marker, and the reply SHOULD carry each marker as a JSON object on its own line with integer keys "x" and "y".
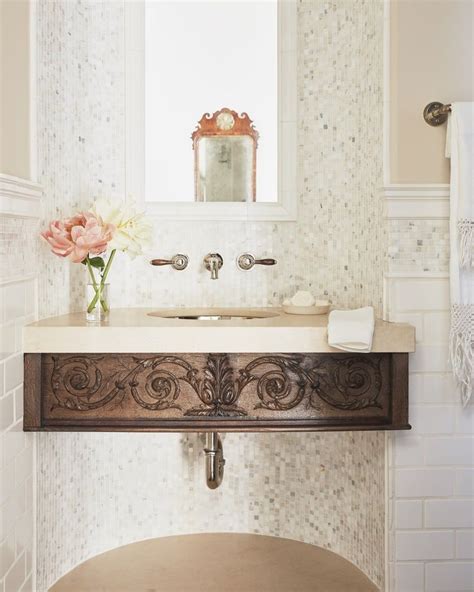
{"x": 144, "y": 373}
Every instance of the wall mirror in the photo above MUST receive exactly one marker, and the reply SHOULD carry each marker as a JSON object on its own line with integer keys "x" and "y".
{"x": 211, "y": 108}
{"x": 225, "y": 158}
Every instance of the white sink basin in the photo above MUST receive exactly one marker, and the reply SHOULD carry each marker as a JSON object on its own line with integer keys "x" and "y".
{"x": 211, "y": 314}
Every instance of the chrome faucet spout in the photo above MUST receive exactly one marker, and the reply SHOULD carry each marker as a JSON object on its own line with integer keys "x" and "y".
{"x": 214, "y": 270}
{"x": 213, "y": 262}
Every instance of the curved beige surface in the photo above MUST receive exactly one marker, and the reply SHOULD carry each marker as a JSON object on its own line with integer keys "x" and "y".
{"x": 216, "y": 563}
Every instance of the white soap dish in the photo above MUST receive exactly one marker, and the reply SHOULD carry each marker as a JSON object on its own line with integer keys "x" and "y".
{"x": 320, "y": 308}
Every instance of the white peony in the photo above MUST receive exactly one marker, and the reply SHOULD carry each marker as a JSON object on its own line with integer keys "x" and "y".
{"x": 133, "y": 232}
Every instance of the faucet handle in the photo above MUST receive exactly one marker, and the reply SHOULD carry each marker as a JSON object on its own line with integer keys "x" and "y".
{"x": 178, "y": 262}
{"x": 247, "y": 261}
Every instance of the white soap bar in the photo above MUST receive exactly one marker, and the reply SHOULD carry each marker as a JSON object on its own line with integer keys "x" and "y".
{"x": 302, "y": 298}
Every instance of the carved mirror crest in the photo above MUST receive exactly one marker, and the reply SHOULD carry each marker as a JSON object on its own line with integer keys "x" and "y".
{"x": 225, "y": 157}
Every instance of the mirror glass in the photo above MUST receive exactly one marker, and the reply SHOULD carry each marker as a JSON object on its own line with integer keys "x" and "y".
{"x": 225, "y": 169}
{"x": 225, "y": 157}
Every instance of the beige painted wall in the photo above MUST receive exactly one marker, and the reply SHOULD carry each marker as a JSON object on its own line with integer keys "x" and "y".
{"x": 431, "y": 53}
{"x": 15, "y": 88}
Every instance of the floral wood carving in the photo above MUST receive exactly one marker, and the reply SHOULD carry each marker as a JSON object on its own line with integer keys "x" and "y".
{"x": 217, "y": 391}
{"x": 78, "y": 383}
{"x": 282, "y": 382}
{"x": 283, "y": 386}
{"x": 225, "y": 122}
{"x": 348, "y": 382}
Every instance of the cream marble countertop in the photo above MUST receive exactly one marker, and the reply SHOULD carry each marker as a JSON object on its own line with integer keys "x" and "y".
{"x": 132, "y": 330}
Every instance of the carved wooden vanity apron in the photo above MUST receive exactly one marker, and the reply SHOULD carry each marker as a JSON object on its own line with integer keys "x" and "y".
{"x": 216, "y": 391}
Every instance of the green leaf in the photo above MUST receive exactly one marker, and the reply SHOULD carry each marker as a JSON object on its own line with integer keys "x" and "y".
{"x": 97, "y": 262}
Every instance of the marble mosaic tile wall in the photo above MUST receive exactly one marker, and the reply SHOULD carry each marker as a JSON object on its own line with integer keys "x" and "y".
{"x": 420, "y": 245}
{"x": 113, "y": 489}
{"x": 80, "y": 113}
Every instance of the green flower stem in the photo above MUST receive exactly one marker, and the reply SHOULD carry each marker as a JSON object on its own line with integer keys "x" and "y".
{"x": 91, "y": 273}
{"x": 107, "y": 267}
{"x": 98, "y": 294}
{"x": 99, "y": 288}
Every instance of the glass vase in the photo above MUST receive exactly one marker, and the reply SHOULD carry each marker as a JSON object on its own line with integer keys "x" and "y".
{"x": 98, "y": 305}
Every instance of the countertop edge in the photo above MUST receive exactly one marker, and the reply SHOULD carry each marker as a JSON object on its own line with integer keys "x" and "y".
{"x": 193, "y": 340}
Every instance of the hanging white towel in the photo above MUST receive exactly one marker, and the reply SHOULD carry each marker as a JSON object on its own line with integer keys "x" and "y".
{"x": 351, "y": 330}
{"x": 460, "y": 148}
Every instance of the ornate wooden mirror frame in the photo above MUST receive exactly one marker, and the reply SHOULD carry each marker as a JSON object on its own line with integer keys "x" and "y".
{"x": 225, "y": 122}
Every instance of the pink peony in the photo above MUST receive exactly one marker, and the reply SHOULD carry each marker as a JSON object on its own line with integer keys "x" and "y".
{"x": 90, "y": 237}
{"x": 58, "y": 236}
{"x": 76, "y": 220}
{"x": 78, "y": 237}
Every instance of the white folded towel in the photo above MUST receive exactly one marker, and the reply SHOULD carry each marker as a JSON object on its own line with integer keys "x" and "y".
{"x": 351, "y": 330}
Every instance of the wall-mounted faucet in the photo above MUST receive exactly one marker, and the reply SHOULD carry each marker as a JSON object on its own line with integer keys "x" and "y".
{"x": 213, "y": 262}
{"x": 178, "y": 262}
{"x": 246, "y": 261}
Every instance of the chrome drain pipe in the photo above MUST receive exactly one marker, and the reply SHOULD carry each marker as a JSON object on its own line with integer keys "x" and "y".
{"x": 215, "y": 460}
